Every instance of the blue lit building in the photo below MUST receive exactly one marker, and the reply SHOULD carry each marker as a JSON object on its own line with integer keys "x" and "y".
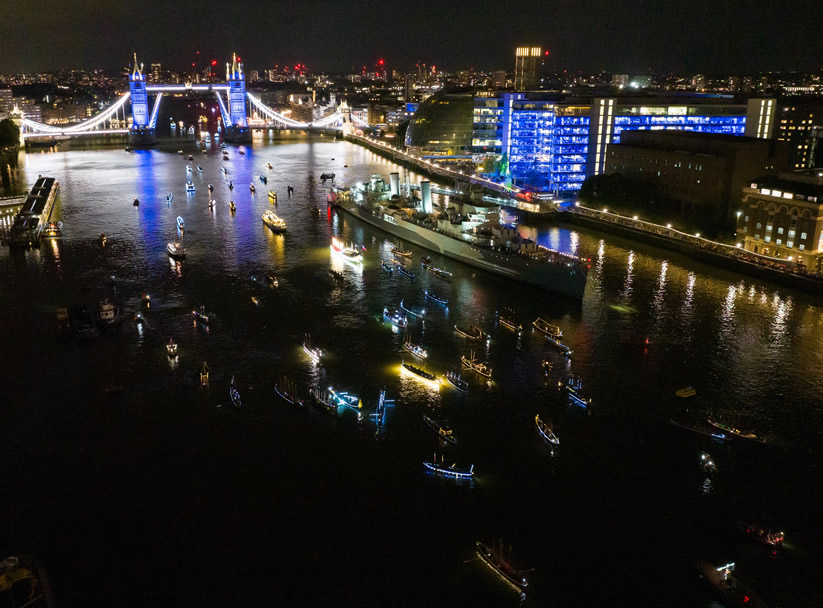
{"x": 553, "y": 142}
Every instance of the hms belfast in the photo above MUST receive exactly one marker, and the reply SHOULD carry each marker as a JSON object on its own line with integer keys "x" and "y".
{"x": 467, "y": 231}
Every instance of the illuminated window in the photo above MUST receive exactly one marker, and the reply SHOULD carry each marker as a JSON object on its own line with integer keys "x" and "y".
{"x": 789, "y": 244}
{"x": 779, "y": 230}
{"x": 778, "y": 241}
{"x": 801, "y": 247}
{"x": 802, "y": 236}
{"x": 791, "y": 233}
{"x": 768, "y": 239}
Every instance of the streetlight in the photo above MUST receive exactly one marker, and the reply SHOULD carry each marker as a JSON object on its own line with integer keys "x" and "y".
{"x": 668, "y": 226}
{"x": 635, "y": 217}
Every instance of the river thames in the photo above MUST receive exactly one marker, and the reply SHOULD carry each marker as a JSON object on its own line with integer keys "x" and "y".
{"x": 166, "y": 494}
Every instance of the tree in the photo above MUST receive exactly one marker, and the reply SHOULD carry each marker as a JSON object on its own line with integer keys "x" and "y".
{"x": 9, "y": 133}
{"x": 488, "y": 165}
{"x": 503, "y": 165}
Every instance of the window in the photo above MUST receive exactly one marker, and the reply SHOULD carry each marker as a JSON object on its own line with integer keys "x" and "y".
{"x": 757, "y": 225}
{"x": 801, "y": 247}
{"x": 780, "y": 230}
{"x": 768, "y": 227}
{"x": 789, "y": 244}
{"x": 778, "y": 241}
{"x": 768, "y": 239}
{"x": 746, "y": 219}
{"x": 791, "y": 233}
{"x": 745, "y": 229}
{"x": 802, "y": 236}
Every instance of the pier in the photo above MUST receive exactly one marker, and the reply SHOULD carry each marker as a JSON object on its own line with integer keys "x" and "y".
{"x": 33, "y": 218}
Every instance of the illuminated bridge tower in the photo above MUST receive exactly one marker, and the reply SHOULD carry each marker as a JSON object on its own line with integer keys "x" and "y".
{"x": 238, "y": 131}
{"x": 141, "y": 133}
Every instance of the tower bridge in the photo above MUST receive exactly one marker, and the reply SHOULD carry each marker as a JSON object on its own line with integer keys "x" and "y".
{"x": 232, "y": 99}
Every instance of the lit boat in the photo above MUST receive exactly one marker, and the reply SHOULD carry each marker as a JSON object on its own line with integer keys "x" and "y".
{"x": 348, "y": 253}
{"x": 272, "y": 196}
{"x": 188, "y": 168}
{"x": 232, "y": 206}
{"x": 200, "y": 315}
{"x": 315, "y": 211}
{"x": 572, "y": 388}
{"x": 204, "y": 375}
{"x": 494, "y": 559}
{"x": 171, "y": 348}
{"x": 564, "y": 350}
{"x": 136, "y": 202}
{"x": 471, "y": 332}
{"x": 686, "y": 392}
{"x": 425, "y": 261}
{"x": 264, "y": 179}
{"x": 272, "y": 280}
{"x": 274, "y": 222}
{"x": 545, "y": 431}
{"x": 176, "y": 249}
{"x": 109, "y": 314}
{"x": 344, "y": 399}
{"x": 457, "y": 382}
{"x": 706, "y": 463}
{"x": 401, "y": 252}
{"x": 507, "y": 320}
{"x": 287, "y": 390}
{"x": 403, "y": 270}
{"x": 211, "y": 188}
{"x": 547, "y": 328}
{"x": 395, "y": 317}
{"x": 433, "y": 296}
{"x": 169, "y": 198}
{"x": 190, "y": 157}
{"x": 415, "y": 349}
{"x": 212, "y": 203}
{"x": 731, "y": 589}
{"x": 477, "y": 366}
{"x": 415, "y": 313}
{"x": 180, "y": 152}
{"x": 189, "y": 187}
{"x": 313, "y": 352}
{"x": 735, "y": 431}
{"x": 53, "y": 230}
{"x": 440, "y": 274}
{"x": 441, "y": 428}
{"x": 419, "y": 374}
{"x": 255, "y": 301}
{"x": 268, "y": 166}
{"x": 387, "y": 267}
{"x": 760, "y": 534}
{"x": 199, "y": 169}
{"x": 251, "y": 187}
{"x": 223, "y": 170}
{"x": 440, "y": 468}
{"x": 181, "y": 225}
{"x": 323, "y": 401}
{"x": 703, "y": 429}
{"x": 234, "y": 394}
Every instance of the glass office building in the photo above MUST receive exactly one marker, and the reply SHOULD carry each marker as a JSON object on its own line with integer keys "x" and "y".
{"x": 553, "y": 142}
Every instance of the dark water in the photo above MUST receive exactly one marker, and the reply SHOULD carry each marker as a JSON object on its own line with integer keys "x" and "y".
{"x": 164, "y": 494}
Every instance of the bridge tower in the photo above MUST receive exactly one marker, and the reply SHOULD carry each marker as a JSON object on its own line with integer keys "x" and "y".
{"x": 348, "y": 125}
{"x": 141, "y": 133}
{"x": 238, "y": 131}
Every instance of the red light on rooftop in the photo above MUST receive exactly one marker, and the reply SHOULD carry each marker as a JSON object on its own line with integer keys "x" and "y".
{"x": 546, "y": 53}
{"x": 380, "y": 62}
{"x": 214, "y": 61}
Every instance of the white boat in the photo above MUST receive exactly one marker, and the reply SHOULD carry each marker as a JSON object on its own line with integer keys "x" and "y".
{"x": 348, "y": 253}
{"x": 274, "y": 222}
{"x": 547, "y": 328}
{"x": 171, "y": 348}
{"x": 180, "y": 224}
{"x": 189, "y": 187}
{"x": 176, "y": 249}
{"x": 545, "y": 431}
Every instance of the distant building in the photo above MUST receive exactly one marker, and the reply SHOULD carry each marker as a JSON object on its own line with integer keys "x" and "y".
{"x": 641, "y": 82}
{"x": 621, "y": 81}
{"x": 498, "y": 80}
{"x": 408, "y": 88}
{"x": 526, "y": 65}
{"x": 699, "y": 172}
{"x": 156, "y": 72}
{"x": 699, "y": 83}
{"x": 800, "y": 122}
{"x": 782, "y": 216}
{"x": 30, "y": 108}
{"x": 6, "y": 101}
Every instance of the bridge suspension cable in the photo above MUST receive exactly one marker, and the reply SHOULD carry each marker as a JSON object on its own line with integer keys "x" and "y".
{"x": 83, "y": 127}
{"x": 223, "y": 110}
{"x": 276, "y": 116}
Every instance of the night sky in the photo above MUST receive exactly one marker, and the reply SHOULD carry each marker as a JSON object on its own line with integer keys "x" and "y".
{"x": 710, "y": 36}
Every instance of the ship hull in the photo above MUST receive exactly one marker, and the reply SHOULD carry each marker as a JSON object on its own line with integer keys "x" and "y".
{"x": 559, "y": 278}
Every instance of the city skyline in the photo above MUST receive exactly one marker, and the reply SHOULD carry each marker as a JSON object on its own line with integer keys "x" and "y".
{"x": 630, "y": 37}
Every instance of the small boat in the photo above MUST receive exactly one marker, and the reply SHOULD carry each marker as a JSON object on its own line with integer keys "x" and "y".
{"x": 188, "y": 167}
{"x": 387, "y": 267}
{"x": 200, "y": 315}
{"x": 323, "y": 401}
{"x": 189, "y": 187}
{"x": 402, "y": 253}
{"x": 433, "y": 296}
{"x": 477, "y": 366}
{"x": 109, "y": 313}
{"x": 212, "y": 203}
{"x": 735, "y": 431}
{"x": 176, "y": 249}
{"x": 231, "y": 186}
{"x": 211, "y": 188}
{"x": 440, "y": 274}
{"x": 180, "y": 152}
{"x": 169, "y": 198}
{"x": 103, "y": 239}
{"x": 547, "y": 328}
{"x": 241, "y": 152}
{"x": 703, "y": 429}
{"x": 315, "y": 211}
{"x": 272, "y": 280}
{"x": 251, "y": 187}
{"x": 181, "y": 225}
{"x": 706, "y": 463}
{"x": 402, "y": 270}
{"x": 472, "y": 332}
{"x": 223, "y": 170}
{"x": 268, "y": 166}
{"x": 287, "y": 390}
{"x": 325, "y": 176}
{"x": 272, "y": 196}
{"x": 234, "y": 394}
{"x": 686, "y": 392}
{"x": 199, "y": 169}
{"x": 425, "y": 261}
{"x": 421, "y": 312}
{"x": 507, "y": 321}
{"x": 136, "y": 203}
{"x": 442, "y": 429}
{"x": 190, "y": 157}
{"x": 313, "y": 352}
{"x": 171, "y": 348}
{"x": 419, "y": 374}
{"x": 344, "y": 399}
{"x": 232, "y": 206}
{"x": 223, "y": 146}
{"x": 494, "y": 559}
{"x": 545, "y": 431}
{"x": 457, "y": 382}
{"x": 274, "y": 222}
{"x": 255, "y": 301}
{"x": 53, "y": 230}
{"x": 444, "y": 470}
{"x": 264, "y": 179}
{"x": 348, "y": 253}
{"x": 564, "y": 350}
{"x": 733, "y": 592}
{"x": 761, "y": 534}
{"x": 204, "y": 375}
{"x": 572, "y": 387}
{"x": 395, "y": 317}
{"x": 415, "y": 349}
